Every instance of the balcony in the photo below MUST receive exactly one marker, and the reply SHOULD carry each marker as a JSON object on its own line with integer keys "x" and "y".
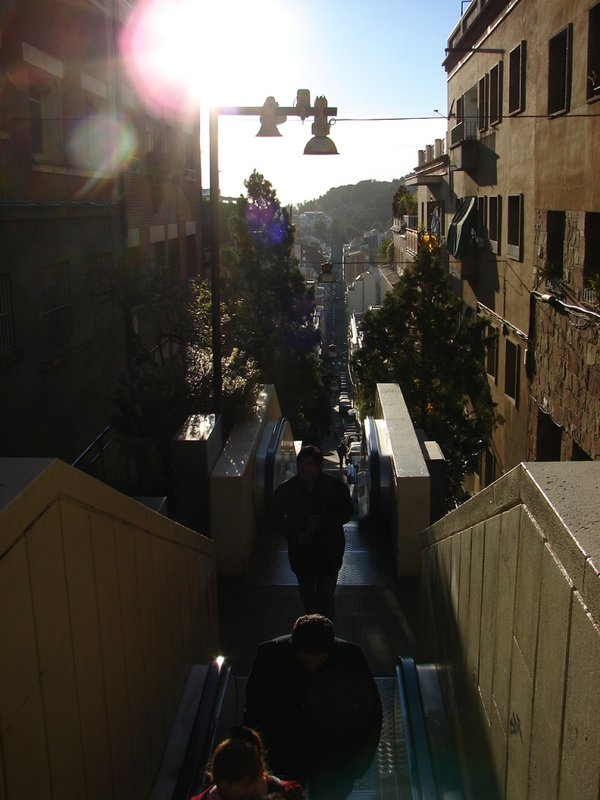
{"x": 464, "y": 144}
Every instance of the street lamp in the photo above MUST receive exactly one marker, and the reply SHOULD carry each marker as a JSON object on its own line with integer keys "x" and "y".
{"x": 271, "y": 115}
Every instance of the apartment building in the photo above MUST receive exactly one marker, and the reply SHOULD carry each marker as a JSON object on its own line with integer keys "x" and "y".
{"x": 91, "y": 178}
{"x": 522, "y": 202}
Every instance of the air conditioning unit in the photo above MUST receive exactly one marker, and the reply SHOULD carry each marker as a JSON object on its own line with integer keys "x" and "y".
{"x": 190, "y": 174}
{"x": 134, "y": 166}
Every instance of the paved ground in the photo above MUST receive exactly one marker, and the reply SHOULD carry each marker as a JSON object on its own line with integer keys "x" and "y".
{"x": 373, "y": 608}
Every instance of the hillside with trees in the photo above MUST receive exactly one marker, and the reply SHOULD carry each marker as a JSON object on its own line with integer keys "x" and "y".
{"x": 357, "y": 208}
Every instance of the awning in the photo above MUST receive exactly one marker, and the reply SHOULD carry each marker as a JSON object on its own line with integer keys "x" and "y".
{"x": 461, "y": 230}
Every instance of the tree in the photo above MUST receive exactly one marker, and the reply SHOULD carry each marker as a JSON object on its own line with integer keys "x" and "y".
{"x": 385, "y": 252}
{"x": 404, "y": 202}
{"x": 273, "y": 307}
{"x": 424, "y": 339}
{"x": 169, "y": 375}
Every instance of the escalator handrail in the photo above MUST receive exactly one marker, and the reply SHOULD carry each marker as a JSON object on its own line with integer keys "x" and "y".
{"x": 422, "y": 780}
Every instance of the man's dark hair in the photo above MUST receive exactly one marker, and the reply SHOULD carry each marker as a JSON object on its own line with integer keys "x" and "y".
{"x": 310, "y": 451}
{"x": 313, "y": 633}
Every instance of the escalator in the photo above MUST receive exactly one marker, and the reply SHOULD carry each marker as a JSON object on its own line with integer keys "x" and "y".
{"x": 425, "y": 754}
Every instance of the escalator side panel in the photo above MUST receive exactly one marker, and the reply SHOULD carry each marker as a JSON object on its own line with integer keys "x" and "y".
{"x": 417, "y": 743}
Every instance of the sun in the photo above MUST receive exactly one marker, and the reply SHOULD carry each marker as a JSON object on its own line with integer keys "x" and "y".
{"x": 182, "y": 54}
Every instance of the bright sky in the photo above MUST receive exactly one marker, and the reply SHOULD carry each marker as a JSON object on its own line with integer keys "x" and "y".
{"x": 371, "y": 60}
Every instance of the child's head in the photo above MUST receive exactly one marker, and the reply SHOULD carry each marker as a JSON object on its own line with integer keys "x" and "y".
{"x": 237, "y": 764}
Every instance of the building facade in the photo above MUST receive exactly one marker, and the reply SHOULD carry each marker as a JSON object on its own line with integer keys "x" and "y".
{"x": 512, "y": 202}
{"x": 523, "y": 216}
{"x": 90, "y": 179}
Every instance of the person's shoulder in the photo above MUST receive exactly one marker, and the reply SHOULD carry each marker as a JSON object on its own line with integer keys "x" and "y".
{"x": 203, "y": 795}
{"x": 289, "y": 483}
{"x": 347, "y": 651}
{"x": 330, "y": 480}
{"x": 280, "y": 646}
{"x": 290, "y": 789}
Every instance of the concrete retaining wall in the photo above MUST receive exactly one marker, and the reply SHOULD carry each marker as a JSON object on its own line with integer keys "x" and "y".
{"x": 512, "y": 584}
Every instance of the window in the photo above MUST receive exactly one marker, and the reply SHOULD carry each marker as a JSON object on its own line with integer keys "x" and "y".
{"x": 100, "y": 290}
{"x": 496, "y": 94}
{"x": 579, "y": 454}
{"x": 462, "y": 230}
{"x": 7, "y": 333}
{"x": 593, "y": 56}
{"x": 189, "y": 151}
{"x": 555, "y": 243}
{"x": 149, "y": 136}
{"x": 173, "y": 255}
{"x": 482, "y": 217}
{"x": 56, "y": 313}
{"x": 548, "y": 438}
{"x": 511, "y": 370}
{"x": 591, "y": 259}
{"x": 491, "y": 352}
{"x": 133, "y": 257}
{"x": 559, "y": 72}
{"x": 460, "y": 109}
{"x": 158, "y": 256}
{"x": 514, "y": 232}
{"x": 84, "y": 151}
{"x": 191, "y": 257}
{"x": 516, "y": 79}
{"x": 435, "y": 218}
{"x": 467, "y": 115}
{"x": 495, "y": 222}
{"x": 482, "y": 102}
{"x": 44, "y": 121}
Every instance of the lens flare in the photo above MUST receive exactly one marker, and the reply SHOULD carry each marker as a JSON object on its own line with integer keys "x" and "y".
{"x": 159, "y": 45}
{"x": 184, "y": 54}
{"x": 102, "y": 145}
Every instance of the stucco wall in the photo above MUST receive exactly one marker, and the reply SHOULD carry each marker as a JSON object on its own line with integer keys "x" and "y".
{"x": 104, "y": 607}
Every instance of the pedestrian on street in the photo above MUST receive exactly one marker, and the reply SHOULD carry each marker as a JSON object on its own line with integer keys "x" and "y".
{"x": 310, "y": 510}
{"x": 314, "y": 700}
{"x": 342, "y": 451}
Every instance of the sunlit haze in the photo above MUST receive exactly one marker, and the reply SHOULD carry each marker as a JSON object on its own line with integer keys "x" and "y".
{"x": 379, "y": 63}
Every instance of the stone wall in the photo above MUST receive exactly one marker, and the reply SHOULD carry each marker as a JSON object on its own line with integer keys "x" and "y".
{"x": 566, "y": 378}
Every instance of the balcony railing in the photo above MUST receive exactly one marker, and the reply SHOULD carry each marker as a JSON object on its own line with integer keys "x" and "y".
{"x": 412, "y": 241}
{"x": 464, "y": 131}
{"x": 420, "y": 238}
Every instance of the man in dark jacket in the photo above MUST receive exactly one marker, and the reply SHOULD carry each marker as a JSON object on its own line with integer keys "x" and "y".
{"x": 310, "y": 510}
{"x": 314, "y": 701}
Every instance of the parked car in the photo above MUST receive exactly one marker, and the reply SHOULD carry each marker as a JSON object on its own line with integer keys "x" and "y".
{"x": 355, "y": 449}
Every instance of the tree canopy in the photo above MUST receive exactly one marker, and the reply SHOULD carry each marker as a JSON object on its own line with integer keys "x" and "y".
{"x": 404, "y": 202}
{"x": 423, "y": 338}
{"x": 273, "y": 306}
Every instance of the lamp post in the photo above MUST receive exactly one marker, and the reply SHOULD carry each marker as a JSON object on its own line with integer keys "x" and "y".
{"x": 271, "y": 115}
